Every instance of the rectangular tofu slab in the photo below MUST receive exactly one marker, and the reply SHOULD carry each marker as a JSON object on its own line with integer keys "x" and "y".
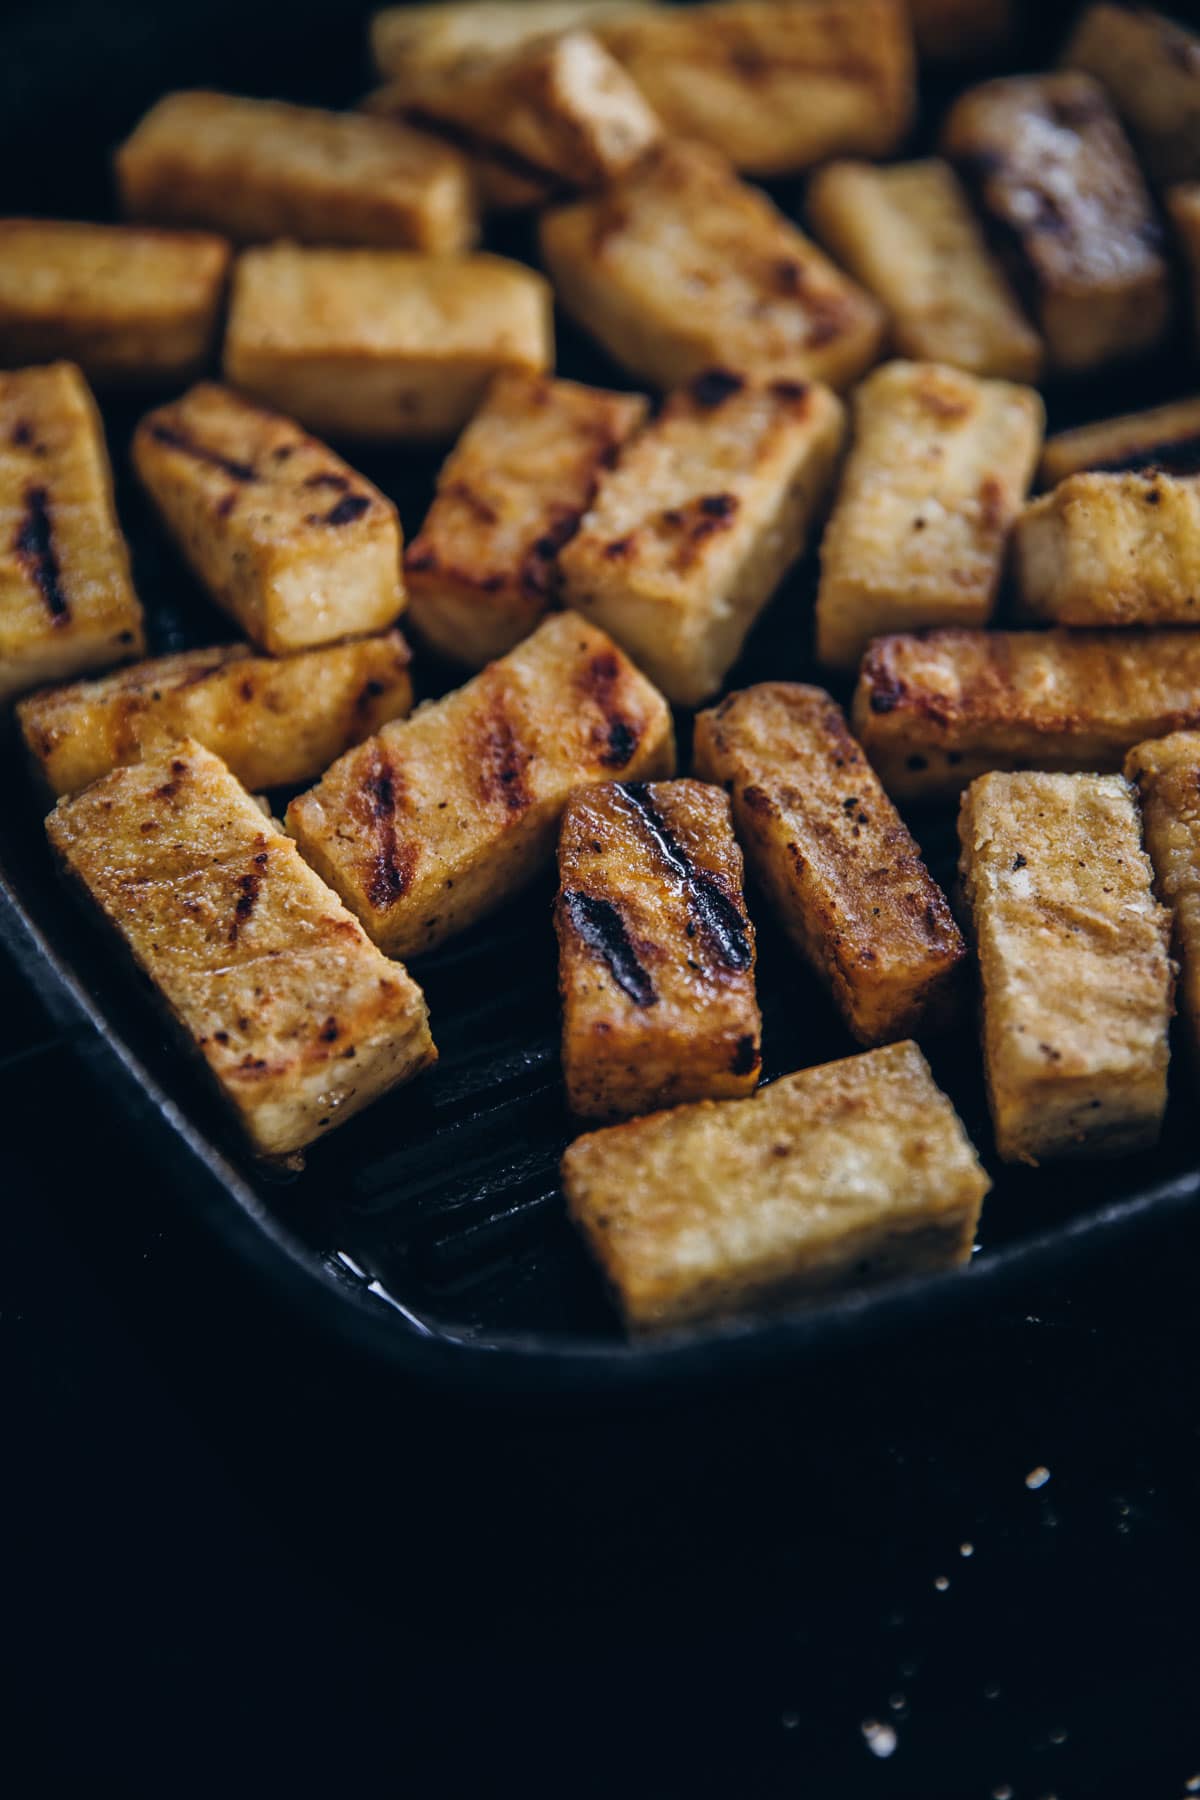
{"x": 1166, "y": 773}
{"x": 1111, "y": 550}
{"x": 482, "y": 570}
{"x": 934, "y": 711}
{"x": 130, "y": 305}
{"x": 774, "y": 88}
{"x": 442, "y": 817}
{"x": 1056, "y": 179}
{"x": 66, "y": 595}
{"x": 260, "y": 169}
{"x": 837, "y": 1175}
{"x": 692, "y": 532}
{"x": 1166, "y": 438}
{"x": 833, "y": 856}
{"x": 680, "y": 267}
{"x": 274, "y": 721}
{"x": 655, "y": 950}
{"x": 384, "y": 345}
{"x": 1150, "y": 67}
{"x": 1072, "y": 947}
{"x": 299, "y": 1019}
{"x": 907, "y": 232}
{"x": 939, "y": 466}
{"x": 285, "y": 536}
{"x": 461, "y": 34}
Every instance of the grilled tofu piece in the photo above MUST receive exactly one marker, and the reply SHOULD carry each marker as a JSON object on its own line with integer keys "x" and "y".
{"x": 933, "y": 484}
{"x": 1183, "y": 205}
{"x": 774, "y": 88}
{"x": 936, "y": 710}
{"x": 692, "y": 532}
{"x": 849, "y": 1172}
{"x": 259, "y": 169}
{"x": 838, "y": 865}
{"x": 481, "y": 571}
{"x": 299, "y": 1019}
{"x": 1150, "y": 67}
{"x": 439, "y": 819}
{"x": 382, "y": 344}
{"x": 285, "y": 536}
{"x": 962, "y": 30}
{"x": 1111, "y": 550}
{"x": 1166, "y": 772}
{"x": 1166, "y": 438}
{"x": 908, "y": 234}
{"x": 130, "y": 305}
{"x": 1072, "y": 947}
{"x": 66, "y": 595}
{"x": 274, "y": 722}
{"x": 680, "y": 267}
{"x": 459, "y": 35}
{"x": 655, "y": 950}
{"x": 1056, "y": 179}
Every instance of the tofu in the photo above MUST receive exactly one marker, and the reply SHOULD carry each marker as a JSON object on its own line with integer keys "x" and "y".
{"x": 1183, "y": 207}
{"x": 259, "y": 169}
{"x": 680, "y": 267}
{"x": 461, "y": 34}
{"x": 939, "y": 466}
{"x": 1053, "y": 172}
{"x": 1111, "y": 550}
{"x": 384, "y": 345}
{"x": 774, "y": 88}
{"x": 1073, "y": 960}
{"x": 1166, "y": 438}
{"x": 274, "y": 722}
{"x": 439, "y": 819}
{"x": 935, "y": 711}
{"x": 502, "y": 182}
{"x": 837, "y": 864}
{"x": 655, "y": 950}
{"x": 286, "y": 537}
{"x": 907, "y": 233}
{"x": 482, "y": 570}
{"x": 693, "y": 530}
{"x": 1166, "y": 773}
{"x": 962, "y": 30}
{"x": 299, "y": 1020}
{"x": 837, "y": 1175}
{"x": 1150, "y": 67}
{"x": 66, "y": 593}
{"x": 130, "y": 305}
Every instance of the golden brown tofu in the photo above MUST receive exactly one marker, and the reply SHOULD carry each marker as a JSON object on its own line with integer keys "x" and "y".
{"x": 461, "y": 34}
{"x": 692, "y": 532}
{"x": 1163, "y": 437}
{"x": 273, "y": 721}
{"x": 66, "y": 596}
{"x": 1183, "y": 205}
{"x": 933, "y": 484}
{"x": 439, "y": 819}
{"x": 845, "y": 1173}
{"x": 382, "y": 344}
{"x": 908, "y": 234}
{"x": 1150, "y": 67}
{"x": 298, "y": 1018}
{"x": 680, "y": 267}
{"x": 832, "y": 855}
{"x": 962, "y": 30}
{"x": 655, "y": 950}
{"x": 128, "y": 304}
{"x": 1111, "y": 550}
{"x": 1166, "y": 772}
{"x": 774, "y": 88}
{"x": 481, "y": 572}
{"x": 936, "y": 710}
{"x": 1054, "y": 174}
{"x": 1072, "y": 948}
{"x": 285, "y": 536}
{"x": 259, "y": 169}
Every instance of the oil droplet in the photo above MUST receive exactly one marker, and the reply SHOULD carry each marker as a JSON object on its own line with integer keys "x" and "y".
{"x": 881, "y": 1739}
{"x": 1038, "y": 1477}
{"x": 941, "y": 1583}
{"x": 966, "y": 1549}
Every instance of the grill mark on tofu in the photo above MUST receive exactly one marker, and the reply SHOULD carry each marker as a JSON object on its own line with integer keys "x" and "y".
{"x": 601, "y": 927}
{"x": 712, "y": 388}
{"x": 34, "y": 546}
{"x": 187, "y": 445}
{"x": 345, "y": 512}
{"x": 718, "y": 919}
{"x": 616, "y": 737}
{"x": 248, "y": 886}
{"x": 391, "y": 866}
{"x": 503, "y": 760}
{"x": 536, "y": 575}
{"x": 327, "y": 478}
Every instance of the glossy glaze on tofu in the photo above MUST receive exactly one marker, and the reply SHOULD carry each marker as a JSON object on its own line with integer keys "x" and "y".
{"x": 1166, "y": 773}
{"x": 1111, "y": 550}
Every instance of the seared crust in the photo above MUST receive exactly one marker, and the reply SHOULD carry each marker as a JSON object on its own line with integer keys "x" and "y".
{"x": 836, "y": 861}
{"x": 843, "y": 1173}
{"x": 299, "y": 1019}
{"x": 1112, "y": 550}
{"x": 1150, "y": 67}
{"x": 1166, "y": 438}
{"x": 1166, "y": 773}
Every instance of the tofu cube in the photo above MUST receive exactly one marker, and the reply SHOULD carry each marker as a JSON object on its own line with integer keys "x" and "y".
{"x": 1166, "y": 772}
{"x": 285, "y": 536}
{"x": 693, "y": 530}
{"x": 66, "y": 595}
{"x": 382, "y": 344}
{"x": 1072, "y": 947}
{"x": 1111, "y": 550}
{"x": 1150, "y": 67}
{"x": 939, "y": 466}
{"x": 439, "y": 819}
{"x": 482, "y": 570}
{"x": 1163, "y": 437}
{"x": 838, "y": 865}
{"x": 655, "y": 950}
{"x": 845, "y": 1173}
{"x": 1183, "y": 207}
{"x": 298, "y": 1018}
